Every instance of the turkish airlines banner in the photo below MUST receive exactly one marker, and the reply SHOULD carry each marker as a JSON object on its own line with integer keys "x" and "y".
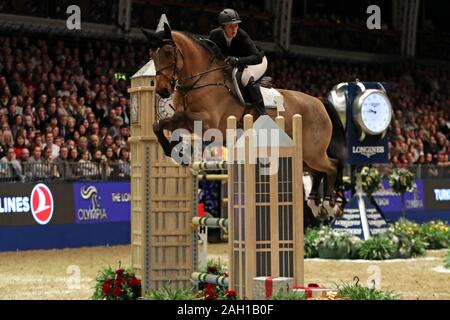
{"x": 36, "y": 204}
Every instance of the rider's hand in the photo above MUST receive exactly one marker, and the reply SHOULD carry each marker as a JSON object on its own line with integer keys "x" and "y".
{"x": 232, "y": 61}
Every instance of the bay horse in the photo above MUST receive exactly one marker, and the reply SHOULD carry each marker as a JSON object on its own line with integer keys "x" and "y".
{"x": 201, "y": 87}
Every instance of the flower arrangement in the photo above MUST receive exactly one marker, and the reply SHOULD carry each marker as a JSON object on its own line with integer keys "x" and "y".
{"x": 371, "y": 180}
{"x": 208, "y": 291}
{"x": 436, "y": 234}
{"x": 401, "y": 180}
{"x": 120, "y": 284}
{"x": 336, "y": 245}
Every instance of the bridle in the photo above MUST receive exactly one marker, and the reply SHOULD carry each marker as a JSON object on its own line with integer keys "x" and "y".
{"x": 177, "y": 84}
{"x": 173, "y": 65}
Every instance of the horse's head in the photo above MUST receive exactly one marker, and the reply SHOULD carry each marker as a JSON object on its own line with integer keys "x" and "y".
{"x": 167, "y": 58}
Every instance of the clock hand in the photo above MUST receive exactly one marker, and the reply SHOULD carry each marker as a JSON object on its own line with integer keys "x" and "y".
{"x": 373, "y": 111}
{"x": 171, "y": 106}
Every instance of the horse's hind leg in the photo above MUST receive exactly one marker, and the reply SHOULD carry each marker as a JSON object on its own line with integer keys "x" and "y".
{"x": 313, "y": 199}
{"x": 330, "y": 167}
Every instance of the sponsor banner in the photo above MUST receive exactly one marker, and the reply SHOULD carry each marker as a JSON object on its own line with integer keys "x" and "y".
{"x": 437, "y": 194}
{"x": 35, "y": 204}
{"x": 59, "y": 236}
{"x": 389, "y": 201}
{"x": 351, "y": 221}
{"x": 100, "y": 202}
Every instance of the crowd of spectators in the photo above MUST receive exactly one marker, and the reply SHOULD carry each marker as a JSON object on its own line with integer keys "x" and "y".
{"x": 63, "y": 113}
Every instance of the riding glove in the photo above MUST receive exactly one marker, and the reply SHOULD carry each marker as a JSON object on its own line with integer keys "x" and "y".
{"x": 233, "y": 61}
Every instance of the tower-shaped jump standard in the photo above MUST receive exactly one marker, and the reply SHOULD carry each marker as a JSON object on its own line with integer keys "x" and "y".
{"x": 265, "y": 203}
{"x": 161, "y": 197}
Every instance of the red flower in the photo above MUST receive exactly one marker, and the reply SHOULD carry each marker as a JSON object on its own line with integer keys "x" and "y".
{"x": 230, "y": 294}
{"x": 119, "y": 281}
{"x": 212, "y": 269}
{"x": 117, "y": 292}
{"x": 120, "y": 271}
{"x": 134, "y": 282}
{"x": 210, "y": 291}
{"x": 106, "y": 287}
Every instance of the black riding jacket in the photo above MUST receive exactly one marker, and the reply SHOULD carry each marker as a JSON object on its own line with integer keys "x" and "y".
{"x": 241, "y": 46}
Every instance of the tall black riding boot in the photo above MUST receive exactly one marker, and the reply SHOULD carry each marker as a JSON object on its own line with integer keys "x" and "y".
{"x": 256, "y": 97}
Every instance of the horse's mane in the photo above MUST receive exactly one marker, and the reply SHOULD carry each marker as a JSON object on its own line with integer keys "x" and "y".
{"x": 206, "y": 44}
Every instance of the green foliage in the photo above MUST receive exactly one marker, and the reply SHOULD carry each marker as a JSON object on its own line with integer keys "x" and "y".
{"x": 215, "y": 267}
{"x": 371, "y": 180}
{"x": 168, "y": 293}
{"x": 436, "y": 234}
{"x": 288, "y": 296}
{"x": 379, "y": 247}
{"x": 356, "y": 292}
{"x": 310, "y": 239}
{"x": 447, "y": 260}
{"x": 404, "y": 239}
{"x": 116, "y": 285}
{"x": 402, "y": 180}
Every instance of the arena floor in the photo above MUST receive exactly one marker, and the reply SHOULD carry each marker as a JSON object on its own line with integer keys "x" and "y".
{"x": 52, "y": 274}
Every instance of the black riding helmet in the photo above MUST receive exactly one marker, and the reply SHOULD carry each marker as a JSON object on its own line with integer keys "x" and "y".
{"x": 228, "y": 16}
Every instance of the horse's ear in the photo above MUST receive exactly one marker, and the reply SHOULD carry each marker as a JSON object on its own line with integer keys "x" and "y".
{"x": 167, "y": 32}
{"x": 153, "y": 39}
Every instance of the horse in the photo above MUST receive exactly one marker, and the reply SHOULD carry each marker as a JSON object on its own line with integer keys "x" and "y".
{"x": 201, "y": 87}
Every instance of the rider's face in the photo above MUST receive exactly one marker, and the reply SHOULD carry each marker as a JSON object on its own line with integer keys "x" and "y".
{"x": 231, "y": 30}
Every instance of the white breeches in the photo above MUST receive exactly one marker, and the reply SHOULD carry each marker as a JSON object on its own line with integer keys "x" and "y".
{"x": 256, "y": 71}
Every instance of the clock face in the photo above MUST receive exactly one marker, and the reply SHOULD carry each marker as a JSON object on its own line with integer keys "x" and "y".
{"x": 165, "y": 107}
{"x": 376, "y": 112}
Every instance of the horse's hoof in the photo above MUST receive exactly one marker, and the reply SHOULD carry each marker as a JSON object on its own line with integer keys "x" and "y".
{"x": 313, "y": 206}
{"x": 157, "y": 127}
{"x": 323, "y": 213}
{"x": 332, "y": 211}
{"x": 338, "y": 211}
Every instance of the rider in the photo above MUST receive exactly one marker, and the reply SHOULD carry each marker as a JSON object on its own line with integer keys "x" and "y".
{"x": 242, "y": 53}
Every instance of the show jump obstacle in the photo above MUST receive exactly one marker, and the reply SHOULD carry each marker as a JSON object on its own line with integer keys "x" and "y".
{"x": 265, "y": 210}
{"x": 161, "y": 198}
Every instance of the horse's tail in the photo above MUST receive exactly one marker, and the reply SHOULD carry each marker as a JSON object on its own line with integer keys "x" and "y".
{"x": 338, "y": 144}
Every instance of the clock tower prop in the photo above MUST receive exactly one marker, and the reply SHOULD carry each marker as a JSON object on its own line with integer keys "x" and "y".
{"x": 366, "y": 112}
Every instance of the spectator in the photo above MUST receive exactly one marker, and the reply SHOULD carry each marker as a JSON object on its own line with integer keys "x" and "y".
{"x": 114, "y": 131}
{"x": 124, "y": 162}
{"x": 34, "y": 164}
{"x": 19, "y": 146}
{"x": 49, "y": 168}
{"x": 107, "y": 142}
{"x": 10, "y": 168}
{"x": 87, "y": 168}
{"x": 83, "y": 145}
{"x": 53, "y": 148}
{"x": 62, "y": 163}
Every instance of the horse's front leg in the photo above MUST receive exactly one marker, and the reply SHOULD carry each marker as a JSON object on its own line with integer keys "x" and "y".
{"x": 158, "y": 129}
{"x": 180, "y": 120}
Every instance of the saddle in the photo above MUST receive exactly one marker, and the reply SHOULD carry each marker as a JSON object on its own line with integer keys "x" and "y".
{"x": 268, "y": 93}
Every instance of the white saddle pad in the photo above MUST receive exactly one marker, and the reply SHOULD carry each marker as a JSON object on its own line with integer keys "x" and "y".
{"x": 271, "y": 96}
